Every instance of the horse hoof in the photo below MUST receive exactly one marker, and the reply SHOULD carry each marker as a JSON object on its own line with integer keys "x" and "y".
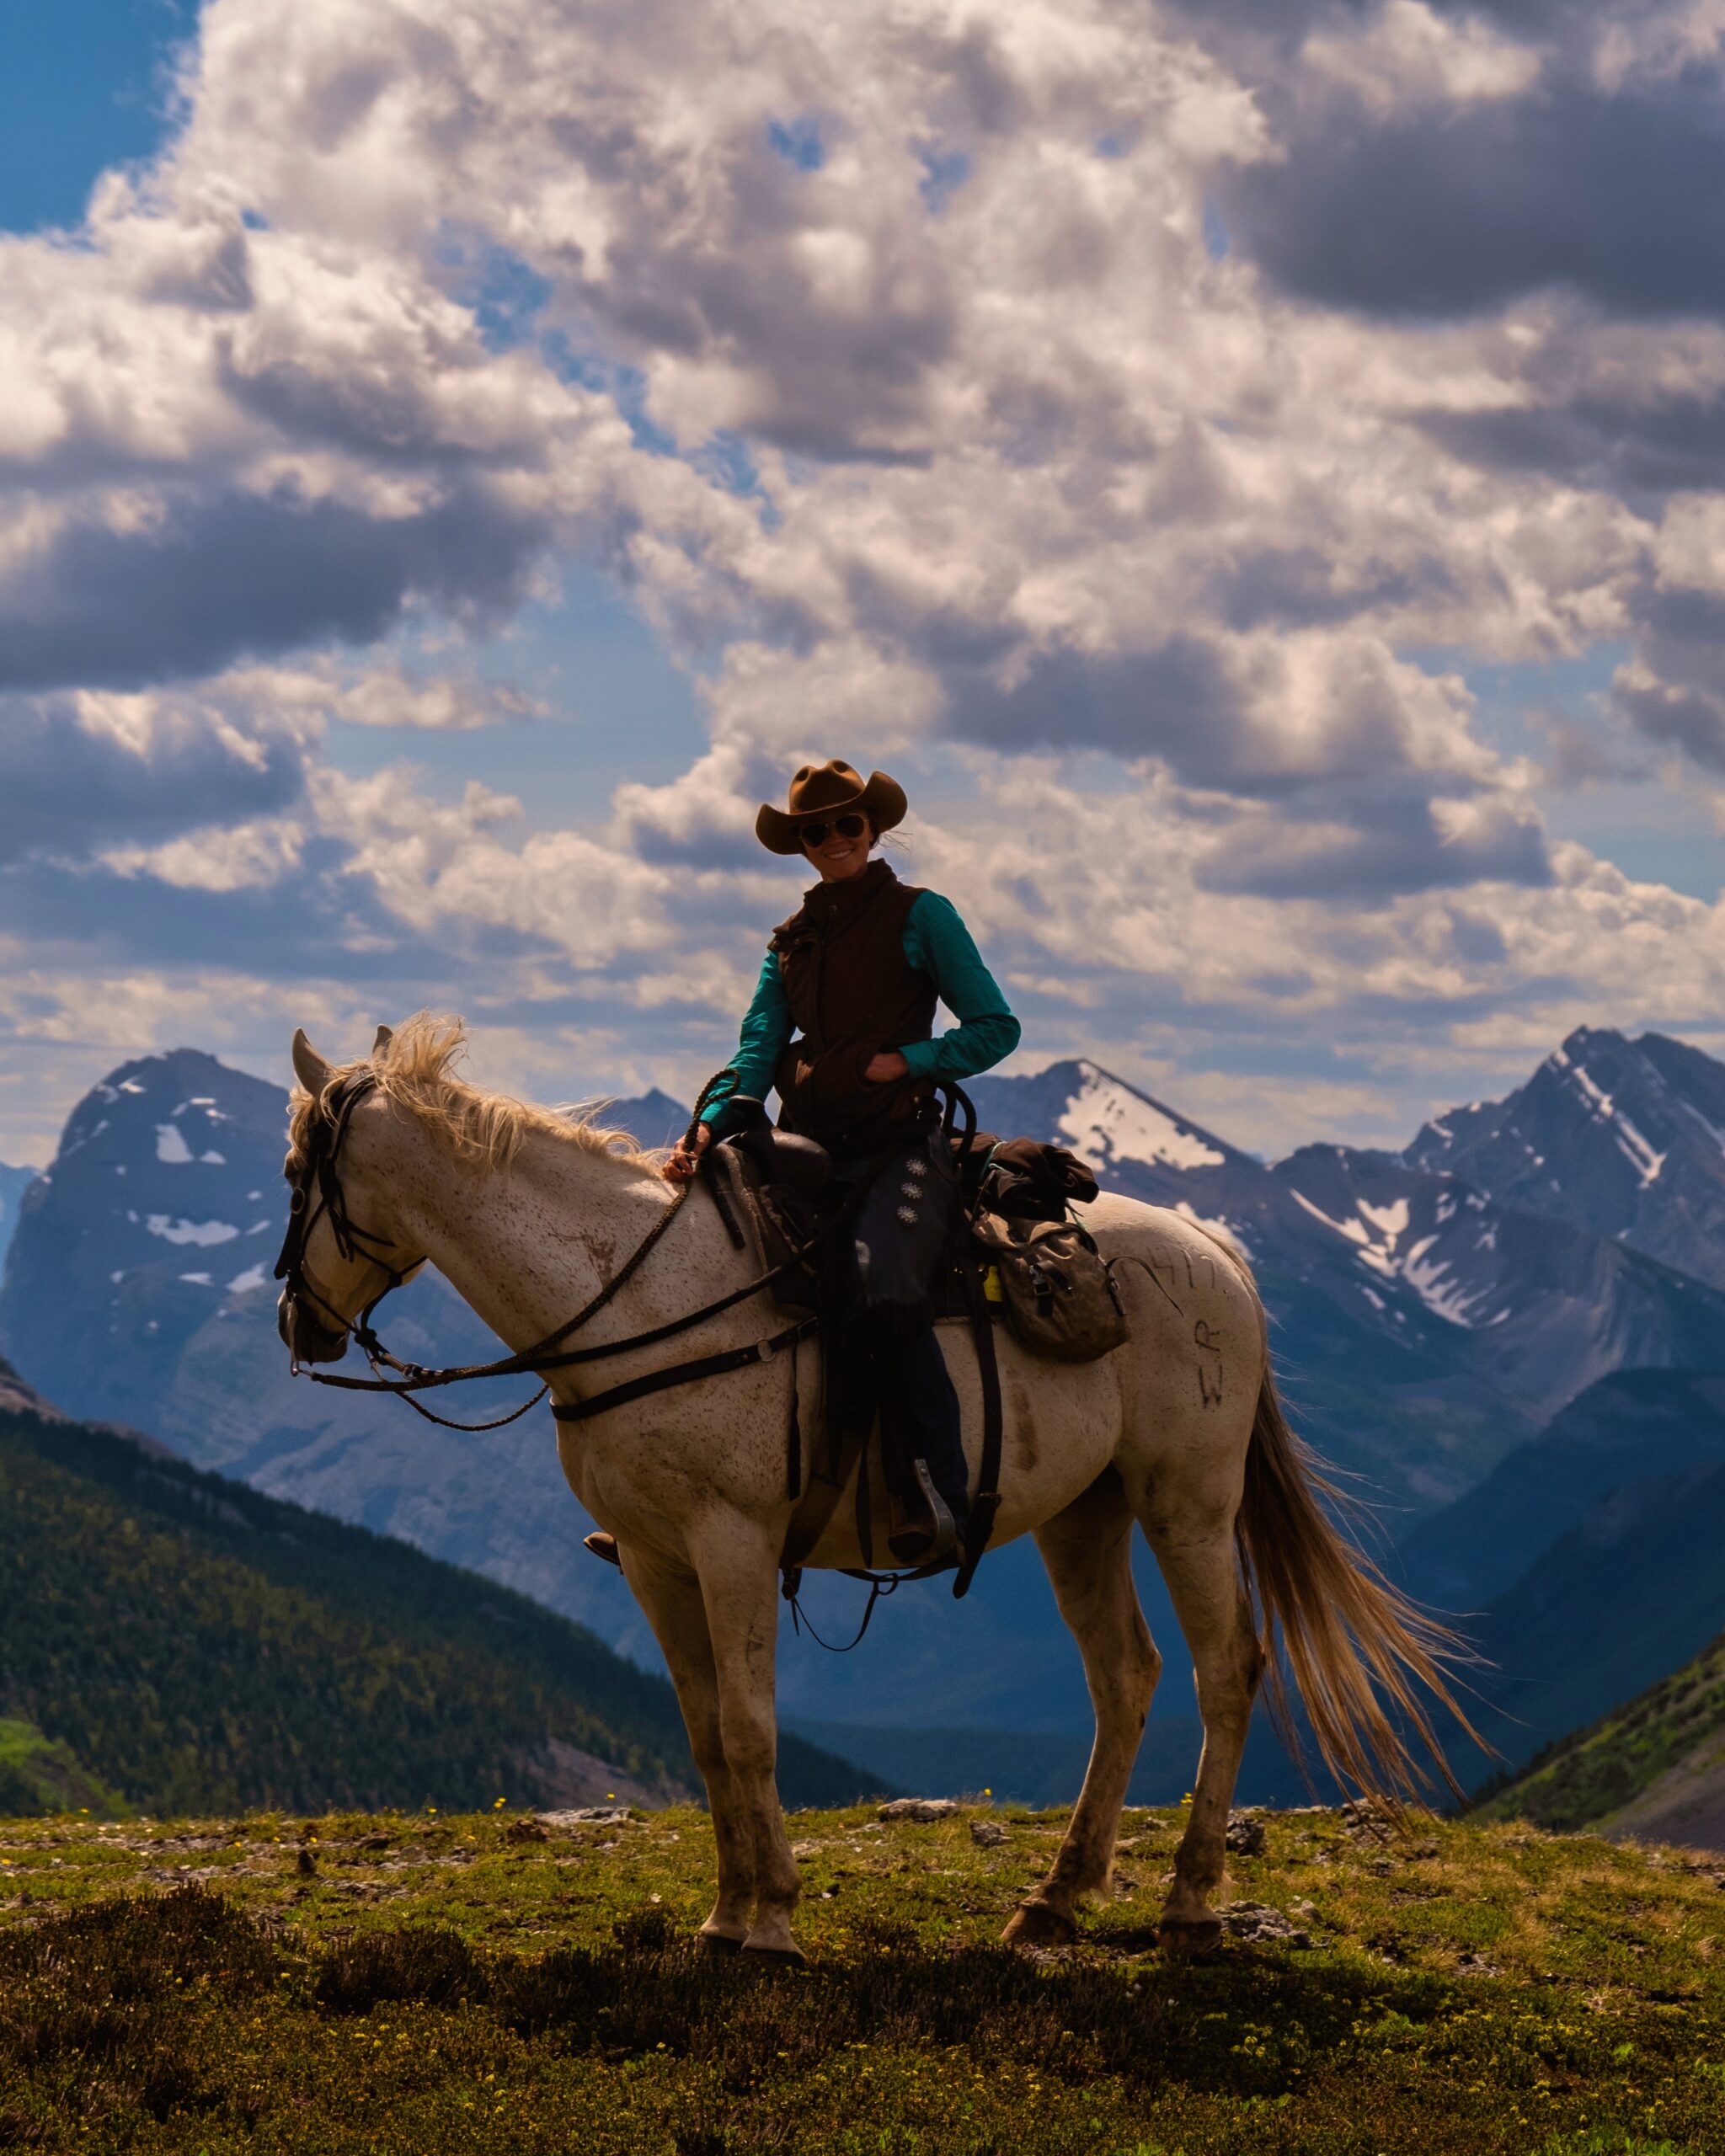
{"x": 719, "y": 1942}
{"x": 1037, "y": 1924}
{"x": 777, "y": 1957}
{"x": 1189, "y": 1935}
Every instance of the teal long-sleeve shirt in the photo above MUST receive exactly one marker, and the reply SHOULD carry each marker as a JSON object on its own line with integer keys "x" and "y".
{"x": 935, "y": 942}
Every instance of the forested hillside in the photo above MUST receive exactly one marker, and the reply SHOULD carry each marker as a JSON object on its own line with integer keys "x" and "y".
{"x": 1654, "y": 1768}
{"x": 197, "y": 1647}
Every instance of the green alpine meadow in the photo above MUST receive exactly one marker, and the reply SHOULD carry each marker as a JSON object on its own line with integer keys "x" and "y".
{"x": 488, "y": 1982}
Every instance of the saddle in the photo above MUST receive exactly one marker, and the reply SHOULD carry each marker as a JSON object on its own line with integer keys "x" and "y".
{"x": 768, "y": 1186}
{"x": 1014, "y": 1254}
{"x": 773, "y": 1180}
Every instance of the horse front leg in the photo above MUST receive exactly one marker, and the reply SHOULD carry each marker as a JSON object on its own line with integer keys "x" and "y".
{"x": 738, "y": 1575}
{"x": 671, "y": 1595}
{"x": 1087, "y": 1549}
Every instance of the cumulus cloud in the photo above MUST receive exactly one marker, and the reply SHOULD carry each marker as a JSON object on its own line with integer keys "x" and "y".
{"x": 389, "y": 696}
{"x": 86, "y": 765}
{"x": 226, "y": 857}
{"x": 1141, "y": 421}
{"x": 227, "y": 576}
{"x": 1435, "y": 163}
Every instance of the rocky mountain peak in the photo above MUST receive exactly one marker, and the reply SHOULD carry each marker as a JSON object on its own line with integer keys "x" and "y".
{"x": 653, "y": 1118}
{"x": 1105, "y": 1120}
{"x": 1624, "y": 1138}
{"x": 161, "y": 1212}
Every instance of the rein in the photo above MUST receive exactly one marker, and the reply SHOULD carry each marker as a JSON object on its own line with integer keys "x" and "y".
{"x": 323, "y": 1150}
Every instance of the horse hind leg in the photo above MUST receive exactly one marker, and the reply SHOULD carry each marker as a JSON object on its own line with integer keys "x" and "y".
{"x": 671, "y": 1598}
{"x": 1203, "y": 1578}
{"x": 1087, "y": 1549}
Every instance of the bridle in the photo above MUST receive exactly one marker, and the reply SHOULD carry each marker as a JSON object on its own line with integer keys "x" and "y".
{"x": 326, "y": 1133}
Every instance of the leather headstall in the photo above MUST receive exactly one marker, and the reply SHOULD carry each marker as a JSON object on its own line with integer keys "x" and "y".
{"x": 326, "y": 1133}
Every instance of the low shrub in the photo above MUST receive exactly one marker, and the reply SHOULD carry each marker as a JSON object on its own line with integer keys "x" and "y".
{"x": 420, "y": 1963}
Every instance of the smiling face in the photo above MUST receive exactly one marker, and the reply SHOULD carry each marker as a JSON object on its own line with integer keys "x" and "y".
{"x": 838, "y": 846}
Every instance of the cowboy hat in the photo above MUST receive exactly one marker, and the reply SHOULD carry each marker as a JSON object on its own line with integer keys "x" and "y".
{"x": 829, "y": 789}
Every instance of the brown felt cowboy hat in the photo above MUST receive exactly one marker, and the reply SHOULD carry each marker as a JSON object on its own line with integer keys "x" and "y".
{"x": 829, "y": 789}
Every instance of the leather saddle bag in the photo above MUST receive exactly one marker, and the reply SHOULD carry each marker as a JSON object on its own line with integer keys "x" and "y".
{"x": 1060, "y": 1296}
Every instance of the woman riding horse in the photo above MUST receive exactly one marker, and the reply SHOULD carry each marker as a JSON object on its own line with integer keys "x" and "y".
{"x": 842, "y": 1027}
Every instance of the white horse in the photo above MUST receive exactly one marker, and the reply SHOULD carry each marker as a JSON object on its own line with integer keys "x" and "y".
{"x": 528, "y": 1213}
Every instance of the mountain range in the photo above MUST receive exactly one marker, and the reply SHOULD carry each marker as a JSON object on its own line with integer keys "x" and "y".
{"x": 1439, "y": 1316}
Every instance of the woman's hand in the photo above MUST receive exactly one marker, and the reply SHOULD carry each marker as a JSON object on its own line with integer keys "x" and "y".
{"x": 882, "y": 1069}
{"x": 687, "y": 1159}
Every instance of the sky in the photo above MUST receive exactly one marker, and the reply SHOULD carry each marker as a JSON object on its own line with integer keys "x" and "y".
{"x": 1255, "y": 470}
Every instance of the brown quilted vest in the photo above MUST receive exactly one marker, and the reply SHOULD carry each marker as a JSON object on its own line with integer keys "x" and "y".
{"x": 852, "y": 996}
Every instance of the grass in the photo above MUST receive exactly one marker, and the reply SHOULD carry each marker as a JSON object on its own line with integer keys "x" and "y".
{"x": 412, "y": 1982}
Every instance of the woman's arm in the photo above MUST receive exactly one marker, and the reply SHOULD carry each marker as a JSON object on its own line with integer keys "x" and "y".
{"x": 765, "y": 1033}
{"x": 937, "y": 944}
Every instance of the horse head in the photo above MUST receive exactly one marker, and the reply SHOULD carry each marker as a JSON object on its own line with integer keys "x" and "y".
{"x": 336, "y": 1259}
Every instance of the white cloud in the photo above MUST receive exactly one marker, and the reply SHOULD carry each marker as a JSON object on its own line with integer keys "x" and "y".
{"x": 223, "y": 857}
{"x": 385, "y": 697}
{"x": 1407, "y": 54}
{"x": 892, "y": 358}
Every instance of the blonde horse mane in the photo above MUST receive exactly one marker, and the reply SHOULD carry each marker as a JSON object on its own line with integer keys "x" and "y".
{"x": 412, "y": 1067}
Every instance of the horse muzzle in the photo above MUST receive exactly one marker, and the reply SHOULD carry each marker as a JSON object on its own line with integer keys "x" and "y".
{"x": 304, "y": 1337}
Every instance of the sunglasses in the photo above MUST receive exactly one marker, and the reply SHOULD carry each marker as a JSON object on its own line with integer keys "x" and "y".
{"x": 815, "y": 829}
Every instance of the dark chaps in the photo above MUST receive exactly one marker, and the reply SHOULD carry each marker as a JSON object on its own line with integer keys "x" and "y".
{"x": 887, "y": 1357}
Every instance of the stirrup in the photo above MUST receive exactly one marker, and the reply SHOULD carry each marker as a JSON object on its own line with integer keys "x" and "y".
{"x": 603, "y": 1545}
{"x": 934, "y": 1540}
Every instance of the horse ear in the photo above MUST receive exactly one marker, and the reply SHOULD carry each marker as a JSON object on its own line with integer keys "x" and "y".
{"x": 309, "y": 1067}
{"x": 385, "y": 1036}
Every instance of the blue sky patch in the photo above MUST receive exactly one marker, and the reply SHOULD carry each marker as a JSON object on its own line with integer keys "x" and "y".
{"x": 944, "y": 172}
{"x": 798, "y": 142}
{"x": 506, "y": 293}
{"x": 84, "y": 84}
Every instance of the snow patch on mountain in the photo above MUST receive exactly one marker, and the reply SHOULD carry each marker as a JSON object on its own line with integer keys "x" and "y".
{"x": 1354, "y": 1230}
{"x": 204, "y": 1233}
{"x": 1106, "y": 1121}
{"x": 1212, "y": 1223}
{"x": 171, "y": 1146}
{"x": 1630, "y": 1143}
{"x": 1376, "y": 1230}
{"x": 1391, "y": 1221}
{"x": 1430, "y": 1279}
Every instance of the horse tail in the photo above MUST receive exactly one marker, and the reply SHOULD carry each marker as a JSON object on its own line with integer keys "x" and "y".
{"x": 1359, "y": 1652}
